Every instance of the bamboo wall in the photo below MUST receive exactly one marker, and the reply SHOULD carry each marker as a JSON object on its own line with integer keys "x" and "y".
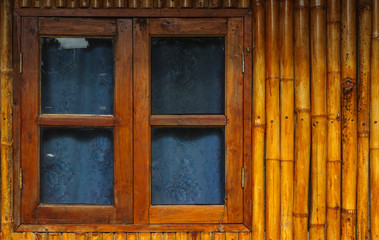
{"x": 315, "y": 118}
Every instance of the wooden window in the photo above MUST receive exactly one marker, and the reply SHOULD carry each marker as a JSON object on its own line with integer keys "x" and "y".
{"x": 132, "y": 121}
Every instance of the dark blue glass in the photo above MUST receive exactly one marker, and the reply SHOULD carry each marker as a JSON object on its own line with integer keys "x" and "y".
{"x": 187, "y": 75}
{"x": 76, "y": 75}
{"x": 188, "y": 166}
{"x": 76, "y": 166}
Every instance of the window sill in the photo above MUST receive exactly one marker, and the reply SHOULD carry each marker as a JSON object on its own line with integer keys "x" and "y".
{"x": 132, "y": 228}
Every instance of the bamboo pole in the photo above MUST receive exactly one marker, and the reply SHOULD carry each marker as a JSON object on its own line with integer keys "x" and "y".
{"x": 229, "y": 3}
{"x": 120, "y": 3}
{"x": 201, "y": 3}
{"x": 286, "y": 119}
{"x": 349, "y": 121}
{"x": 273, "y": 121}
{"x": 214, "y": 3}
{"x": 243, "y": 4}
{"x": 37, "y": 3}
{"x": 147, "y": 4}
{"x": 185, "y": 3}
{"x": 96, "y": 3}
{"x": 303, "y": 119}
{"x": 363, "y": 118}
{"x": 84, "y": 3}
{"x": 171, "y": 3}
{"x": 60, "y": 3}
{"x": 48, "y": 3}
{"x": 24, "y": 3}
{"x": 132, "y": 3}
{"x": 72, "y": 3}
{"x": 6, "y": 99}
{"x": 333, "y": 201}
{"x": 317, "y": 218}
{"x": 108, "y": 3}
{"x": 374, "y": 124}
{"x": 259, "y": 119}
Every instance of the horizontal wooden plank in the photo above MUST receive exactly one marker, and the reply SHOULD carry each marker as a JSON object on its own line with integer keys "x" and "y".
{"x": 71, "y": 26}
{"x": 77, "y": 120}
{"x": 187, "y": 214}
{"x": 188, "y": 26}
{"x": 62, "y": 213}
{"x": 132, "y": 12}
{"x": 131, "y": 228}
{"x": 187, "y": 120}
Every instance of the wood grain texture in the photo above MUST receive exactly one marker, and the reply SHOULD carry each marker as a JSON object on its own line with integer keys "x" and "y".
{"x": 76, "y": 120}
{"x": 273, "y": 121}
{"x": 303, "y": 119}
{"x": 188, "y": 120}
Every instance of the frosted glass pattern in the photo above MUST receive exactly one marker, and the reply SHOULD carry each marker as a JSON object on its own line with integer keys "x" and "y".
{"x": 76, "y": 166}
{"x": 76, "y": 75}
{"x": 188, "y": 166}
{"x": 187, "y": 75}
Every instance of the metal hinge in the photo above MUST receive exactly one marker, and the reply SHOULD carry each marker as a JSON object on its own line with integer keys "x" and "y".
{"x": 243, "y": 63}
{"x": 21, "y": 179}
{"x": 243, "y": 177}
{"x": 21, "y": 63}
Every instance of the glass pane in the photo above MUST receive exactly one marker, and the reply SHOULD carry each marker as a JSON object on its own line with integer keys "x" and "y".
{"x": 188, "y": 166}
{"x": 76, "y": 75}
{"x": 76, "y": 166}
{"x": 187, "y": 75}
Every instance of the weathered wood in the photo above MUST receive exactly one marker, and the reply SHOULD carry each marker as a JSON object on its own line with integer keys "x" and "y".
{"x": 317, "y": 218}
{"x": 6, "y": 81}
{"x": 349, "y": 119}
{"x": 258, "y": 119}
{"x": 273, "y": 121}
{"x": 286, "y": 119}
{"x": 374, "y": 124}
{"x": 364, "y": 46}
{"x": 303, "y": 119}
{"x": 187, "y": 120}
{"x": 333, "y": 201}
{"x": 75, "y": 120}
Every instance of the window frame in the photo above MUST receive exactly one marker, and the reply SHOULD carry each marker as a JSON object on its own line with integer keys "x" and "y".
{"x": 244, "y": 222}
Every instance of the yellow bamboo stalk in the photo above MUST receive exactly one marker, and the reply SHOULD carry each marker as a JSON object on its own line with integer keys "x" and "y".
{"x": 171, "y": 3}
{"x": 206, "y": 236}
{"x": 185, "y": 3}
{"x": 96, "y": 3}
{"x": 37, "y": 3}
{"x": 56, "y": 236}
{"x": 273, "y": 121}
{"x": 201, "y": 3}
{"x": 81, "y": 236}
{"x": 333, "y": 202}
{"x": 70, "y": 236}
{"x": 43, "y": 236}
{"x": 317, "y": 218}
{"x": 84, "y": 3}
{"x": 349, "y": 120}
{"x": 244, "y": 236}
{"x": 144, "y": 236}
{"x": 286, "y": 119}
{"x": 156, "y": 236}
{"x": 243, "y": 3}
{"x": 48, "y": 3}
{"x": 60, "y": 3}
{"x": 6, "y": 99}
{"x": 303, "y": 119}
{"x": 122, "y": 236}
{"x": 259, "y": 118}
{"x": 24, "y": 3}
{"x": 374, "y": 124}
{"x": 363, "y": 119}
{"x": 229, "y": 3}
{"x": 147, "y": 4}
{"x": 72, "y": 3}
{"x": 231, "y": 236}
{"x": 108, "y": 236}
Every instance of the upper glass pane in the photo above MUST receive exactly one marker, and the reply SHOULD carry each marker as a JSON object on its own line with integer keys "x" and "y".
{"x": 76, "y": 166}
{"x": 76, "y": 75}
{"x": 187, "y": 166}
{"x": 187, "y": 75}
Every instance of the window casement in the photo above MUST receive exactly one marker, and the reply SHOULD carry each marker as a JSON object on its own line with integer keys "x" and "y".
{"x": 132, "y": 121}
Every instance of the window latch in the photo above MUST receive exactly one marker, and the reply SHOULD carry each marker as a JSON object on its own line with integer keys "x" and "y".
{"x": 243, "y": 177}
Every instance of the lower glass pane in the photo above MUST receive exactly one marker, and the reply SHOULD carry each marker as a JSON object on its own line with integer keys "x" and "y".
{"x": 76, "y": 166}
{"x": 188, "y": 166}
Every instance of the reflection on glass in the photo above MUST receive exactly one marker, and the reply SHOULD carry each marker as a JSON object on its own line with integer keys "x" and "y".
{"x": 76, "y": 166}
{"x": 76, "y": 75}
{"x": 187, "y": 75}
{"x": 188, "y": 166}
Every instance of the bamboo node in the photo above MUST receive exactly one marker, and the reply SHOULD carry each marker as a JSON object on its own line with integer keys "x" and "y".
{"x": 348, "y": 85}
{"x": 349, "y": 212}
{"x": 334, "y": 161}
{"x": 257, "y": 125}
{"x": 7, "y": 143}
{"x": 273, "y": 159}
{"x": 317, "y": 225}
{"x": 272, "y": 78}
{"x": 300, "y": 215}
{"x": 374, "y": 148}
{"x": 302, "y": 110}
{"x": 287, "y": 160}
{"x": 286, "y": 79}
{"x": 333, "y": 208}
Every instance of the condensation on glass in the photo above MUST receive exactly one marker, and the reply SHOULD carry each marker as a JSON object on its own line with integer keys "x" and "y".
{"x": 187, "y": 166}
{"x": 76, "y": 166}
{"x": 187, "y": 75}
{"x": 77, "y": 75}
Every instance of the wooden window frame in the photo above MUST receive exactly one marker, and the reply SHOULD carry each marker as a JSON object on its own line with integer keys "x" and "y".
{"x": 142, "y": 217}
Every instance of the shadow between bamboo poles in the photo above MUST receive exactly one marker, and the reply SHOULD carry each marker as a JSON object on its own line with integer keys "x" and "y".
{"x": 374, "y": 124}
{"x": 349, "y": 120}
{"x": 286, "y": 119}
{"x": 273, "y": 121}
{"x": 317, "y": 218}
{"x": 259, "y": 119}
{"x": 333, "y": 198}
{"x": 6, "y": 78}
{"x": 364, "y": 42}
{"x": 303, "y": 120}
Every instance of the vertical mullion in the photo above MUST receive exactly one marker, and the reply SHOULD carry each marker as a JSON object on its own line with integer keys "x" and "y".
{"x": 123, "y": 131}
